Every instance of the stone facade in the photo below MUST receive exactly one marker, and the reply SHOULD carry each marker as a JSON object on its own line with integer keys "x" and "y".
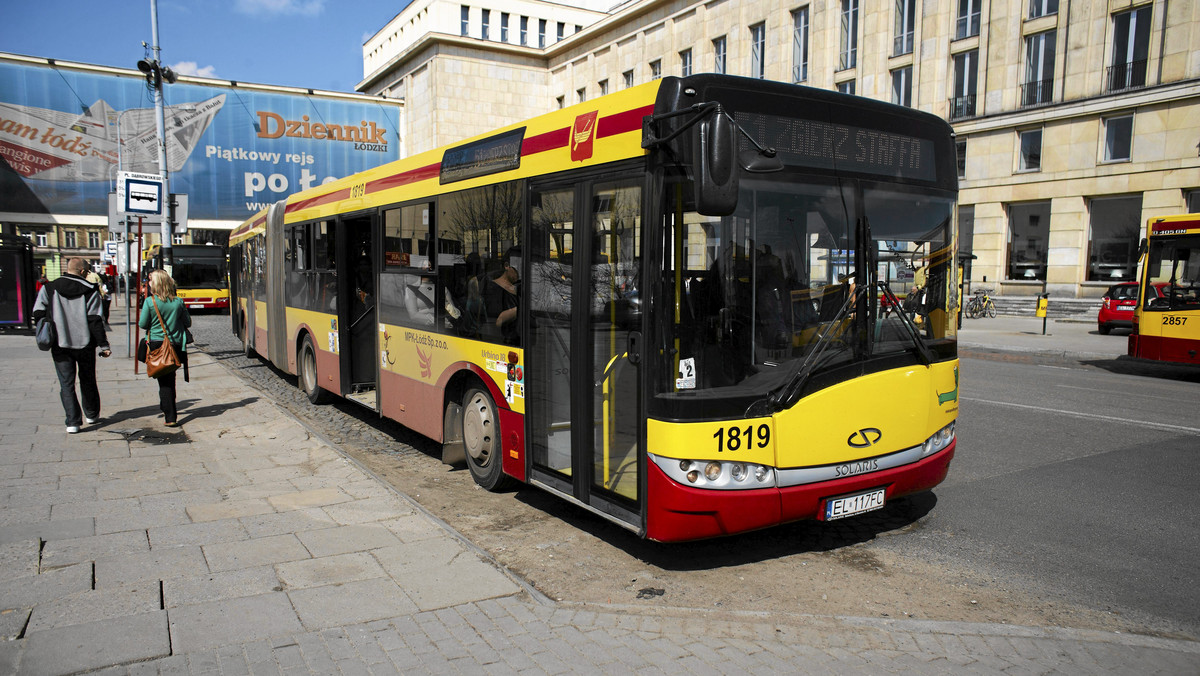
{"x": 1077, "y": 119}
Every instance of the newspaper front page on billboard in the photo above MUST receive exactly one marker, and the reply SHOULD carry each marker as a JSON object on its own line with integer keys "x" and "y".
{"x": 233, "y": 149}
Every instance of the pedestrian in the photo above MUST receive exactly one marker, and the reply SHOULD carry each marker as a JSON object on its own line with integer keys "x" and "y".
{"x": 101, "y": 285}
{"x": 73, "y": 304}
{"x": 164, "y": 309}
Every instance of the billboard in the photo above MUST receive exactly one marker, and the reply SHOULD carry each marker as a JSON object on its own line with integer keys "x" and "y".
{"x": 65, "y": 133}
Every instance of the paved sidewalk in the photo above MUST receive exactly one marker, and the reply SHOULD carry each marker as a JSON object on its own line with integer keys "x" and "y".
{"x": 1063, "y": 337}
{"x": 242, "y": 543}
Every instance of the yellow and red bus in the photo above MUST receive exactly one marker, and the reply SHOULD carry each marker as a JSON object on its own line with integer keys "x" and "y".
{"x": 1166, "y": 323}
{"x": 199, "y": 271}
{"x": 672, "y": 306}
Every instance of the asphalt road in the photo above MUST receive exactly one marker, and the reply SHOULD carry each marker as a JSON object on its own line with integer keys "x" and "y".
{"x": 1080, "y": 481}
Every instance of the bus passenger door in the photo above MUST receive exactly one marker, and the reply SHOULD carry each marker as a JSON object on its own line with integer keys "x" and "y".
{"x": 582, "y": 395}
{"x": 358, "y": 328}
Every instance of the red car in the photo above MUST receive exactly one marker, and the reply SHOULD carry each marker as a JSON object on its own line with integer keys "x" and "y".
{"x": 1116, "y": 308}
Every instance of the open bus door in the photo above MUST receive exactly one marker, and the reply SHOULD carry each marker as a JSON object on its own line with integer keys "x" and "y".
{"x": 358, "y": 324}
{"x": 16, "y": 282}
{"x": 584, "y": 402}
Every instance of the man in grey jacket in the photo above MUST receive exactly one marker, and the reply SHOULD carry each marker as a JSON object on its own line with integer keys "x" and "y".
{"x": 75, "y": 308}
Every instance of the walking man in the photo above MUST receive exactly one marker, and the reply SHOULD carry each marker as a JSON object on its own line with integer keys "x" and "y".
{"x": 74, "y": 306}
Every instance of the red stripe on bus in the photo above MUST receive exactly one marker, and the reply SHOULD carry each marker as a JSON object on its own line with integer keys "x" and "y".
{"x": 335, "y": 196}
{"x": 1176, "y": 226}
{"x": 548, "y": 141}
{"x": 620, "y": 123}
{"x": 405, "y": 177}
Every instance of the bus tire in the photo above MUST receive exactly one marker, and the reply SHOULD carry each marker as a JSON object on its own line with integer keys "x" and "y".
{"x": 481, "y": 440}
{"x": 306, "y": 373}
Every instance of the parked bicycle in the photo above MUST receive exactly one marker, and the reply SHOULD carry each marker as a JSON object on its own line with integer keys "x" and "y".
{"x": 981, "y": 304}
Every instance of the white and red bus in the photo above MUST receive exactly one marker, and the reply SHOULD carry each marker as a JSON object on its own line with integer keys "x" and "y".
{"x": 673, "y": 305}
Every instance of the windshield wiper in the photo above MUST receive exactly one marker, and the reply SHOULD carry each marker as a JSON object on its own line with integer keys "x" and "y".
{"x": 774, "y": 402}
{"x": 914, "y": 333}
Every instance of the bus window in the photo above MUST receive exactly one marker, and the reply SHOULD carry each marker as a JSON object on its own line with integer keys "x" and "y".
{"x": 479, "y": 232}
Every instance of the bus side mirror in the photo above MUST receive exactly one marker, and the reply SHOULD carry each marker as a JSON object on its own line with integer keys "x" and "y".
{"x": 715, "y": 166}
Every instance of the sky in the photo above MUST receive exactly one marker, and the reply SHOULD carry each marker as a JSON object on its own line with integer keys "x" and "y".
{"x": 313, "y": 44}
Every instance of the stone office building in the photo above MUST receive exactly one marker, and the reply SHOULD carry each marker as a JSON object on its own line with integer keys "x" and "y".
{"x": 1076, "y": 119}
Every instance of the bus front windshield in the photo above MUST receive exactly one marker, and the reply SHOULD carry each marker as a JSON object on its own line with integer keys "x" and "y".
{"x": 755, "y": 302}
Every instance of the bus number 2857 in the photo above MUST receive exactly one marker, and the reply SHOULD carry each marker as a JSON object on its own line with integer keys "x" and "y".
{"x": 742, "y": 438}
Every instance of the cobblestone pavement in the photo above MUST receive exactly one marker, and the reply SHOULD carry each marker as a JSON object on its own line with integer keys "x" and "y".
{"x": 246, "y": 544}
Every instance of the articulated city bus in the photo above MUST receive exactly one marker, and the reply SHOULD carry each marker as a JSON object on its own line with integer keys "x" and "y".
{"x": 1166, "y": 323}
{"x": 674, "y": 306}
{"x": 199, "y": 271}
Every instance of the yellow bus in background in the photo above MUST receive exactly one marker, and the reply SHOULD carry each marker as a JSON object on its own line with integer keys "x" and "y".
{"x": 1166, "y": 323}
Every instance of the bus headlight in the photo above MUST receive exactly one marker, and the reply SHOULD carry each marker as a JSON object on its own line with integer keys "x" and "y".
{"x": 940, "y": 440}
{"x": 717, "y": 474}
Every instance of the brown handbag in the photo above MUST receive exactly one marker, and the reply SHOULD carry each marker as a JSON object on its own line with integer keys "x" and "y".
{"x": 162, "y": 360}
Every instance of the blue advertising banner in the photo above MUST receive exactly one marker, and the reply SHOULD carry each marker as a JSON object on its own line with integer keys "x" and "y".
{"x": 64, "y": 134}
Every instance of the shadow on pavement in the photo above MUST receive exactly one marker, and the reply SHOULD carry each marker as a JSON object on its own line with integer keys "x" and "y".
{"x": 1149, "y": 369}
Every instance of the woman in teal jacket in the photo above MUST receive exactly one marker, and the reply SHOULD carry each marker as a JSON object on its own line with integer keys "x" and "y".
{"x": 177, "y": 320}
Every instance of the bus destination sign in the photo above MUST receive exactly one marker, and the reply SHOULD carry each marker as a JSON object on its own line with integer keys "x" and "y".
{"x": 491, "y": 155}
{"x": 828, "y": 145}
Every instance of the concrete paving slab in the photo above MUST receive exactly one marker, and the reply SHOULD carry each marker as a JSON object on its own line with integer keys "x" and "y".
{"x": 350, "y": 603}
{"x": 156, "y": 564}
{"x": 12, "y": 625}
{"x": 279, "y": 523}
{"x": 25, "y": 592}
{"x": 96, "y": 604}
{"x": 250, "y": 553}
{"x": 96, "y": 645}
{"x": 342, "y": 539}
{"x": 329, "y": 570}
{"x": 369, "y": 510}
{"x": 40, "y": 526}
{"x": 442, "y": 572}
{"x": 60, "y": 553}
{"x": 232, "y": 621}
{"x": 320, "y": 497}
{"x": 229, "y": 510}
{"x": 204, "y": 533}
{"x": 20, "y": 558}
{"x": 197, "y": 589}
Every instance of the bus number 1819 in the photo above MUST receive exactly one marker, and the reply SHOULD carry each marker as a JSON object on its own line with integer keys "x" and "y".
{"x": 737, "y": 438}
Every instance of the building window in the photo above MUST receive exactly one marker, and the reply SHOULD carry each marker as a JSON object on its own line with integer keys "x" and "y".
{"x": 906, "y": 19}
{"x": 800, "y": 45}
{"x": 503, "y": 26}
{"x": 902, "y": 86}
{"x": 581, "y": 94}
{"x": 1118, "y": 138}
{"x": 846, "y": 87}
{"x": 967, "y": 24}
{"x": 41, "y": 239}
{"x": 524, "y": 31}
{"x": 1113, "y": 240}
{"x": 69, "y": 239}
{"x": 603, "y": 85}
{"x": 1192, "y": 198}
{"x": 848, "y": 54}
{"x": 93, "y": 240}
{"x": 758, "y": 51}
{"x": 485, "y": 23}
{"x": 1039, "y": 69}
{"x": 466, "y": 21}
{"x": 685, "y": 62}
{"x": 627, "y": 77}
{"x": 1131, "y": 49}
{"x": 966, "y": 229}
{"x": 1028, "y": 236}
{"x": 176, "y": 239}
{"x": 541, "y": 33}
{"x": 560, "y": 101}
{"x": 562, "y": 27}
{"x": 656, "y": 69}
{"x": 1039, "y": 8}
{"x": 965, "y": 66}
{"x": 1031, "y": 150}
{"x": 719, "y": 55}
{"x": 960, "y": 149}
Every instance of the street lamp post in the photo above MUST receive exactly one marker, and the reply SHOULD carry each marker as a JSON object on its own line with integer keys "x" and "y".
{"x": 156, "y": 74}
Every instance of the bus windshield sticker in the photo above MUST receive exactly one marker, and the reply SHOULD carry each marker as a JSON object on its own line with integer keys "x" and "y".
{"x": 829, "y": 145}
{"x": 491, "y": 155}
{"x": 687, "y": 374}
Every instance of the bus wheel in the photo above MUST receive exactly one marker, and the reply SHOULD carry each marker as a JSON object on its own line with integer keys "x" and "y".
{"x": 481, "y": 438}
{"x": 306, "y": 366}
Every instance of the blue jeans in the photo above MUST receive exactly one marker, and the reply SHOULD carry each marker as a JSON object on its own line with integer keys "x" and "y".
{"x": 67, "y": 363}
